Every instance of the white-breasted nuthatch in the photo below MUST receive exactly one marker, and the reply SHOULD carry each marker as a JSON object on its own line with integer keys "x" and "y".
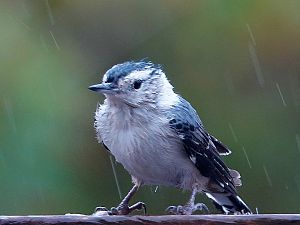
{"x": 160, "y": 140}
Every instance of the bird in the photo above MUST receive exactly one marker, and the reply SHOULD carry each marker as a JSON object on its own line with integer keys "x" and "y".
{"x": 159, "y": 139}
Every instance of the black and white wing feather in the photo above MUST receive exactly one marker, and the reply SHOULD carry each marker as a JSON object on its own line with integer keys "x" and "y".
{"x": 204, "y": 151}
{"x": 200, "y": 146}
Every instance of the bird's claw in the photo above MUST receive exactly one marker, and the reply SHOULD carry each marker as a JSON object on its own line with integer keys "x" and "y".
{"x": 101, "y": 209}
{"x": 177, "y": 210}
{"x": 139, "y": 206}
{"x": 122, "y": 209}
{"x": 201, "y": 207}
{"x": 187, "y": 209}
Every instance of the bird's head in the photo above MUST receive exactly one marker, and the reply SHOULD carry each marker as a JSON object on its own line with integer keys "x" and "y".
{"x": 135, "y": 83}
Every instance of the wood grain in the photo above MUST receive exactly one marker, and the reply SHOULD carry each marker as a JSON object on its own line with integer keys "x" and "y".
{"x": 73, "y": 219}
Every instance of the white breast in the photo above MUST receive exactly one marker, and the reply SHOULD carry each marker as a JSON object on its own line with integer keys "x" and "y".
{"x": 145, "y": 146}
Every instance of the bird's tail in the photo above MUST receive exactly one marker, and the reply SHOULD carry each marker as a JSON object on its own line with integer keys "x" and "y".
{"x": 229, "y": 203}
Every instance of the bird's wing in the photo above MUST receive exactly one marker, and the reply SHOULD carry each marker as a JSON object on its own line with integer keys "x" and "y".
{"x": 221, "y": 148}
{"x": 200, "y": 147}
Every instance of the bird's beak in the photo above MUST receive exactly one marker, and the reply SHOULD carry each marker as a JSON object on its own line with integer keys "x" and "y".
{"x": 104, "y": 88}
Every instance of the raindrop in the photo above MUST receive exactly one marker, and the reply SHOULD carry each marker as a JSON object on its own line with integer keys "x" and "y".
{"x": 298, "y": 141}
{"x": 18, "y": 21}
{"x": 280, "y": 93}
{"x": 267, "y": 176}
{"x": 55, "y": 42}
{"x": 115, "y": 176}
{"x": 251, "y": 34}
{"x": 256, "y": 210}
{"x": 232, "y": 132}
{"x": 49, "y": 13}
{"x": 256, "y": 65}
{"x": 246, "y": 155}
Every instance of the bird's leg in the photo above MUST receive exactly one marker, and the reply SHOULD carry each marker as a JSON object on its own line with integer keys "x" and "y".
{"x": 189, "y": 207}
{"x": 123, "y": 208}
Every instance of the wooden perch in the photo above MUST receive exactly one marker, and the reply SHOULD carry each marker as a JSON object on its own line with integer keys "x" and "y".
{"x": 73, "y": 219}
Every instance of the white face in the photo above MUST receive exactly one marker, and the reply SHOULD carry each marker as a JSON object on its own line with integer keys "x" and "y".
{"x": 138, "y": 87}
{"x": 136, "y": 84}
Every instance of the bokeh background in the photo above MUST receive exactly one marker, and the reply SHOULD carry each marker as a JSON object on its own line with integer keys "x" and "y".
{"x": 237, "y": 62}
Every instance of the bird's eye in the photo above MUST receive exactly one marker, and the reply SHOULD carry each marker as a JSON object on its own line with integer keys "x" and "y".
{"x": 137, "y": 84}
{"x": 110, "y": 79}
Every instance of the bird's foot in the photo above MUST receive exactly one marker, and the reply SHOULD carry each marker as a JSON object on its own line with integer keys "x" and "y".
{"x": 101, "y": 211}
{"x": 187, "y": 209}
{"x": 122, "y": 209}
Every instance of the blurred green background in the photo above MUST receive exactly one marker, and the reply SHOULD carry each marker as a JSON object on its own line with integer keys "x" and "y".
{"x": 237, "y": 62}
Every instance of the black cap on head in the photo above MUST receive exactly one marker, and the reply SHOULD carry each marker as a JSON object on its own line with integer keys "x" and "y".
{"x": 123, "y": 69}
